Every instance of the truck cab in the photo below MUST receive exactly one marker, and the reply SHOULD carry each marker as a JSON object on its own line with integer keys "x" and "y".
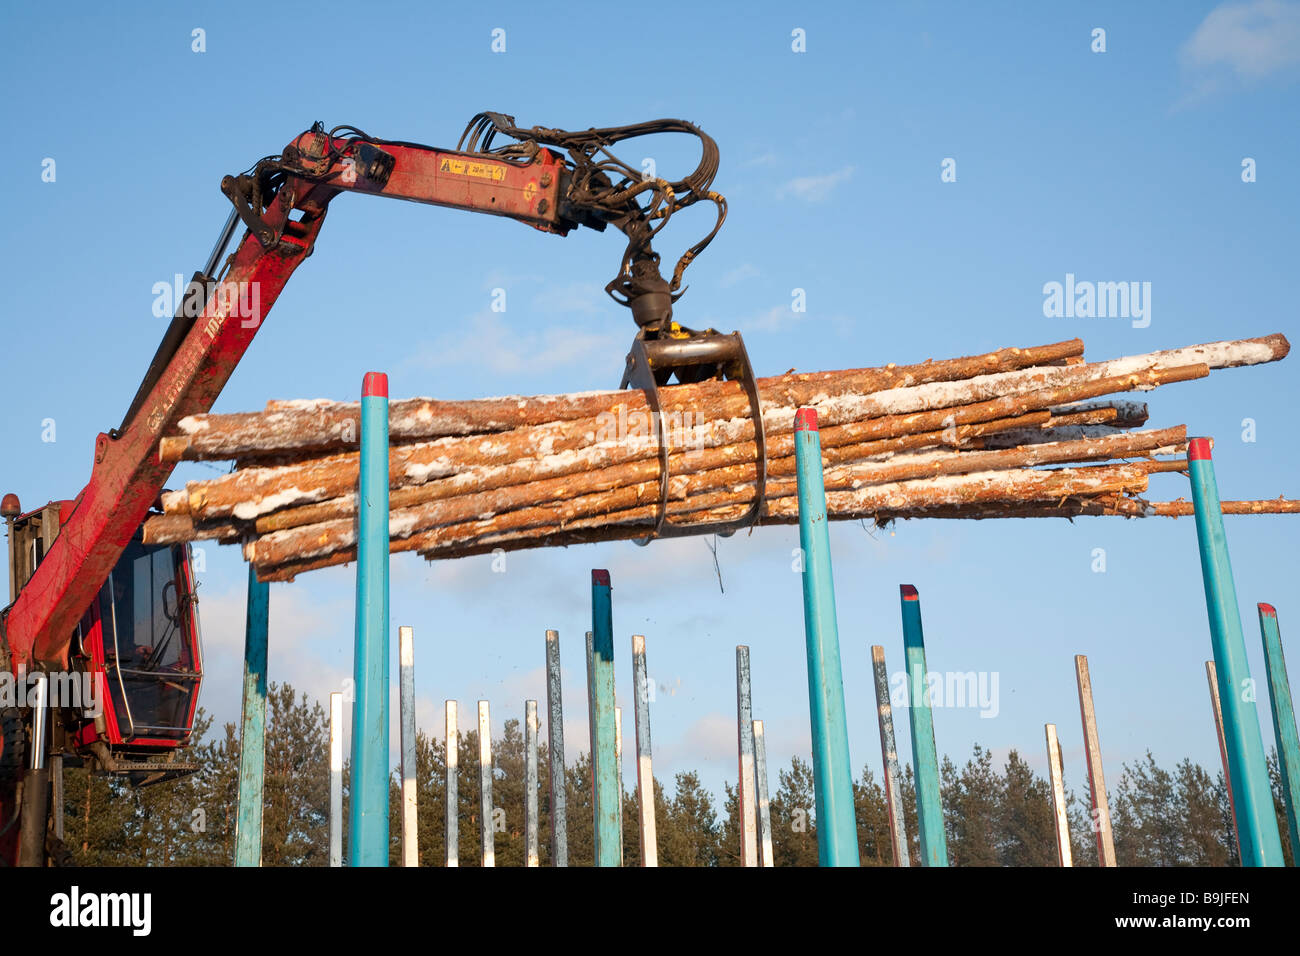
{"x": 127, "y": 704}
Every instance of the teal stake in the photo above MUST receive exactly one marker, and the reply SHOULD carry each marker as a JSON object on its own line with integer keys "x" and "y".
{"x": 1284, "y": 730}
{"x": 1260, "y": 842}
{"x": 604, "y": 766}
{"x": 252, "y": 737}
{"x": 925, "y": 756}
{"x": 837, "y": 826}
{"x": 368, "y": 829}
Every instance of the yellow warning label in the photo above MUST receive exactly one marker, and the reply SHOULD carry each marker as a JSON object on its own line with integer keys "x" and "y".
{"x": 530, "y": 190}
{"x": 463, "y": 167}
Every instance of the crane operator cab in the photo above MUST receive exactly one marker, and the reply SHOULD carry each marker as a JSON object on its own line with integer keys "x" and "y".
{"x": 128, "y": 704}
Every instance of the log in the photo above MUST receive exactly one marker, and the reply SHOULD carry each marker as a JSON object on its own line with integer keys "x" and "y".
{"x": 622, "y": 487}
{"x": 249, "y": 493}
{"x": 625, "y": 514}
{"x": 632, "y": 472}
{"x": 1268, "y": 506}
{"x": 977, "y": 437}
{"x": 316, "y": 425}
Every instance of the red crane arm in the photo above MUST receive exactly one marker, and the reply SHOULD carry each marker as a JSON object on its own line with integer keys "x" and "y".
{"x": 127, "y": 476}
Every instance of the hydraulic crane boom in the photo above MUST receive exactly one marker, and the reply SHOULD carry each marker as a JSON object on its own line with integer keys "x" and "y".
{"x": 91, "y": 598}
{"x": 282, "y": 201}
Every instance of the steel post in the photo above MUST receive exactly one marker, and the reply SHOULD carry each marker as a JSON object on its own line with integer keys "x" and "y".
{"x": 406, "y": 704}
{"x": 765, "y": 857}
{"x": 925, "y": 755}
{"x": 487, "y": 828}
{"x": 745, "y": 801}
{"x": 336, "y": 779}
{"x": 531, "y": 852}
{"x": 1284, "y": 727}
{"x": 889, "y": 759}
{"x": 645, "y": 781}
{"x": 1096, "y": 775}
{"x": 1260, "y": 842}
{"x": 451, "y": 755}
{"x": 555, "y": 754}
{"x": 1060, "y": 815}
{"x": 837, "y": 831}
{"x": 252, "y": 737}
{"x": 368, "y": 831}
{"x": 604, "y": 761}
{"x": 1212, "y": 678}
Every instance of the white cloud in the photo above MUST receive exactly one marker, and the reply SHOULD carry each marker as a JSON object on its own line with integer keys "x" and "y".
{"x": 584, "y": 298}
{"x": 309, "y": 645}
{"x": 814, "y": 188}
{"x": 486, "y": 342}
{"x": 1252, "y": 39}
{"x": 500, "y": 278}
{"x": 742, "y": 272}
{"x": 774, "y": 319}
{"x": 710, "y": 740}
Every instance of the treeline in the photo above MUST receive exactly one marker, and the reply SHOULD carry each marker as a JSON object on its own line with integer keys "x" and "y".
{"x": 993, "y": 816}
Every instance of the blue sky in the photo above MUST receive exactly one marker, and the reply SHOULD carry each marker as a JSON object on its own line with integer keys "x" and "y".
{"x": 1116, "y": 166}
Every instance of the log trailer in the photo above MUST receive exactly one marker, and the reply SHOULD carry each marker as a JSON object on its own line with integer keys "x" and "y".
{"x": 94, "y": 610}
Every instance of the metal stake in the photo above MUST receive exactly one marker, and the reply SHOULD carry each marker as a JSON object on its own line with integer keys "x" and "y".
{"x": 604, "y": 762}
{"x": 889, "y": 757}
{"x": 368, "y": 845}
{"x": 745, "y": 801}
{"x": 555, "y": 735}
{"x": 645, "y": 781}
{"x": 837, "y": 831}
{"x": 486, "y": 828}
{"x": 1096, "y": 776}
{"x": 1216, "y": 706}
{"x": 925, "y": 755}
{"x": 764, "y": 806}
{"x": 530, "y": 783}
{"x": 1062, "y": 819}
{"x": 252, "y": 738}
{"x": 1259, "y": 840}
{"x": 406, "y": 702}
{"x": 451, "y": 753}
{"x": 336, "y": 779}
{"x": 1284, "y": 727}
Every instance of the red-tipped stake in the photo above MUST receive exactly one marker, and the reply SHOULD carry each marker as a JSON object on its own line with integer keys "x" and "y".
{"x": 1257, "y": 832}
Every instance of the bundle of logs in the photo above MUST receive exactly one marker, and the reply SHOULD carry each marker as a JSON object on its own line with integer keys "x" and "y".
{"x": 959, "y": 438}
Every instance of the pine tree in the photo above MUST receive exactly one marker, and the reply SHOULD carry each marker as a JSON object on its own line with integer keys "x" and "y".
{"x": 295, "y": 813}
{"x": 972, "y": 802}
{"x": 1026, "y": 829}
{"x": 1279, "y": 807}
{"x": 1083, "y": 838}
{"x": 1203, "y": 840}
{"x": 874, "y": 845}
{"x": 729, "y": 834}
{"x": 1146, "y": 823}
{"x": 692, "y": 833}
{"x": 580, "y": 810}
{"x": 794, "y": 827}
{"x": 911, "y": 821}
